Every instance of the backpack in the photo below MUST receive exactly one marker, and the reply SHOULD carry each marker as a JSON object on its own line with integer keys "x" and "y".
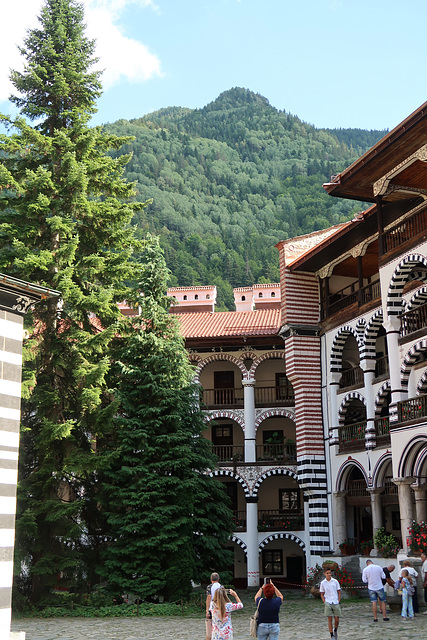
{"x": 410, "y": 589}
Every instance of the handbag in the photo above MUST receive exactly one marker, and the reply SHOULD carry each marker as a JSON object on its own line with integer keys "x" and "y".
{"x": 253, "y": 625}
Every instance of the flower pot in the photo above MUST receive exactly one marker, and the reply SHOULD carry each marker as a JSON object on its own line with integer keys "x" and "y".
{"x": 315, "y": 592}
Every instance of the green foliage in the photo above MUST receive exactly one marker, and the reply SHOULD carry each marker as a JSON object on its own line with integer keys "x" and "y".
{"x": 231, "y": 180}
{"x": 386, "y": 543}
{"x": 168, "y": 520}
{"x": 65, "y": 225}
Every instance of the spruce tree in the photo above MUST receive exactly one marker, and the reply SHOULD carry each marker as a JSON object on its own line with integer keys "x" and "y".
{"x": 65, "y": 224}
{"x": 169, "y": 519}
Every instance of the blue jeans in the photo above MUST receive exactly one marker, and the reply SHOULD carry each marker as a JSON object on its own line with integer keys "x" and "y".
{"x": 268, "y": 630}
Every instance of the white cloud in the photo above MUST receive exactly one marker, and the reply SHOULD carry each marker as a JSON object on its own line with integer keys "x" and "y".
{"x": 120, "y": 57}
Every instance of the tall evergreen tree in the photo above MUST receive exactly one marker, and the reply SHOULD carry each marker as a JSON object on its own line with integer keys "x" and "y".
{"x": 65, "y": 224}
{"x": 169, "y": 519}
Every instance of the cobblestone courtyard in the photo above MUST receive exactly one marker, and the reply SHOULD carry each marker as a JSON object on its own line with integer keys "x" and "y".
{"x": 301, "y": 619}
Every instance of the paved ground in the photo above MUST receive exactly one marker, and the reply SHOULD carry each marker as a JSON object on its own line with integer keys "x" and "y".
{"x": 300, "y": 619}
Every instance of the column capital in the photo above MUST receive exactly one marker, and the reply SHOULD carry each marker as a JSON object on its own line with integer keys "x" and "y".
{"x": 251, "y": 499}
{"x": 375, "y": 492}
{"x": 402, "y": 481}
{"x": 340, "y": 494}
{"x": 368, "y": 365}
{"x": 335, "y": 378}
{"x": 248, "y": 382}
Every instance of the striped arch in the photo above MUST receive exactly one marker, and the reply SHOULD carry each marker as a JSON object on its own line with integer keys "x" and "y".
{"x": 282, "y": 536}
{"x": 360, "y": 327}
{"x": 371, "y": 332}
{"x": 422, "y": 384}
{"x": 231, "y": 474}
{"x": 215, "y": 358}
{"x": 379, "y": 471}
{"x": 352, "y": 395}
{"x": 338, "y": 347}
{"x": 410, "y": 359}
{"x": 405, "y": 271}
{"x": 195, "y": 357}
{"x": 412, "y": 456}
{"x": 229, "y": 414}
{"x": 239, "y": 542}
{"x": 273, "y": 472}
{"x": 344, "y": 473}
{"x": 265, "y": 356}
{"x": 419, "y": 298}
{"x": 381, "y": 397}
{"x": 271, "y": 413}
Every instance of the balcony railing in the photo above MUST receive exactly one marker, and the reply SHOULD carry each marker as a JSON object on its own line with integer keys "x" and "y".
{"x": 276, "y": 452}
{"x": 382, "y": 426}
{"x": 410, "y": 228}
{"x": 239, "y": 519}
{"x": 351, "y": 377}
{"x": 352, "y": 294}
{"x": 229, "y": 453}
{"x": 280, "y": 520}
{"x": 412, "y": 409}
{"x": 382, "y": 367}
{"x": 371, "y": 291}
{"x": 352, "y": 436}
{"x": 357, "y": 488}
{"x": 278, "y": 396}
{"x": 413, "y": 320}
{"x": 223, "y": 398}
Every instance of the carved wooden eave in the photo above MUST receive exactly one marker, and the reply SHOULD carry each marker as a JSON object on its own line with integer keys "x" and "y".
{"x": 17, "y": 296}
{"x": 356, "y": 251}
{"x": 384, "y": 186}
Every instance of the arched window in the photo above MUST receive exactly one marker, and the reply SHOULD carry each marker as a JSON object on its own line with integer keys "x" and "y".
{"x": 196, "y": 297}
{"x": 243, "y": 298}
{"x": 185, "y": 298}
{"x": 273, "y": 294}
{"x": 260, "y": 294}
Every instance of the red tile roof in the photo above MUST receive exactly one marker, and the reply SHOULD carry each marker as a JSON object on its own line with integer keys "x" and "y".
{"x": 263, "y": 322}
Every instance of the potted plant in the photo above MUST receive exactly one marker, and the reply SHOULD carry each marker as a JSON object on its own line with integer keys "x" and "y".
{"x": 386, "y": 543}
{"x": 417, "y": 539}
{"x": 347, "y": 548}
{"x": 366, "y": 547}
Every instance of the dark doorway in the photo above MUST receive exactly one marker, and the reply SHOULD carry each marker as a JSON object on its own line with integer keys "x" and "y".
{"x": 294, "y": 569}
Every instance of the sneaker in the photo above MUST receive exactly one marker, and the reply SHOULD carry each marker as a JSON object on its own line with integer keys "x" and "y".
{"x": 335, "y": 634}
{"x": 386, "y": 619}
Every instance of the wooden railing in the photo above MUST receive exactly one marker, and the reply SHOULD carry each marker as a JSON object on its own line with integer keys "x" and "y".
{"x": 382, "y": 367}
{"x": 413, "y": 320}
{"x": 223, "y": 397}
{"x": 274, "y": 396}
{"x": 351, "y": 377}
{"x": 342, "y": 298}
{"x": 371, "y": 291}
{"x": 390, "y": 487}
{"x": 239, "y": 520}
{"x": 352, "y": 432}
{"x": 229, "y": 453}
{"x": 357, "y": 488}
{"x": 276, "y": 452}
{"x": 280, "y": 520}
{"x": 407, "y": 230}
{"x": 412, "y": 409}
{"x": 382, "y": 426}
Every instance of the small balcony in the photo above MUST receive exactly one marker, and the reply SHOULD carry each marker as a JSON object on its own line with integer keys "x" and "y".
{"x": 351, "y": 294}
{"x": 229, "y": 453}
{"x": 278, "y": 520}
{"x": 283, "y": 453}
{"x": 352, "y": 437}
{"x": 382, "y": 431}
{"x": 412, "y": 410}
{"x": 352, "y": 378}
{"x": 413, "y": 320}
{"x": 278, "y": 396}
{"x": 405, "y": 232}
{"x": 223, "y": 398}
{"x": 382, "y": 369}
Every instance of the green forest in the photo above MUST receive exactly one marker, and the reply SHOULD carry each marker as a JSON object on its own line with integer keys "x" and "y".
{"x": 229, "y": 181}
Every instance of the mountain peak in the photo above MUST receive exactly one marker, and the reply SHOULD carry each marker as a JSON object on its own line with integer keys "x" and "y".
{"x": 235, "y": 98}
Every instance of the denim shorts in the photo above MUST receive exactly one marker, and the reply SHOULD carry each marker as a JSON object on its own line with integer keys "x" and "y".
{"x": 377, "y": 595}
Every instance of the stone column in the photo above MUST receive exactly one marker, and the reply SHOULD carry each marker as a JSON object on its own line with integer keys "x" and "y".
{"x": 368, "y": 368}
{"x": 340, "y": 521}
{"x": 405, "y": 507}
{"x": 420, "y": 503}
{"x": 252, "y": 550}
{"x": 249, "y": 413}
{"x": 377, "y": 514}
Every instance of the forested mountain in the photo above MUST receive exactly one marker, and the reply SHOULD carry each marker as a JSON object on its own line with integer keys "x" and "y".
{"x": 232, "y": 179}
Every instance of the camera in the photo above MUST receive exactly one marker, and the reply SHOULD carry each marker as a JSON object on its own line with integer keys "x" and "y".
{"x": 267, "y": 580}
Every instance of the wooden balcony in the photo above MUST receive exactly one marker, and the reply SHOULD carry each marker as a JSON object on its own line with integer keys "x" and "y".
{"x": 382, "y": 431}
{"x": 239, "y": 519}
{"x": 352, "y": 294}
{"x": 283, "y": 453}
{"x": 382, "y": 369}
{"x": 352, "y": 378}
{"x": 412, "y": 410}
{"x": 413, "y": 320}
{"x": 279, "y": 396}
{"x": 229, "y": 453}
{"x": 223, "y": 398}
{"x": 412, "y": 227}
{"x": 352, "y": 437}
{"x": 279, "y": 520}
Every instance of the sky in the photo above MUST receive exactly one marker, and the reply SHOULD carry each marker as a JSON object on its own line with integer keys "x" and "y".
{"x": 333, "y": 63}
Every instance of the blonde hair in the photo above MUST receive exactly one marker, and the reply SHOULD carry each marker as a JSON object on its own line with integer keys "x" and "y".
{"x": 220, "y": 600}
{"x": 408, "y": 575}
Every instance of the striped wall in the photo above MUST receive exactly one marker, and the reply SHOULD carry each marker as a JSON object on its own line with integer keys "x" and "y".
{"x": 11, "y": 332}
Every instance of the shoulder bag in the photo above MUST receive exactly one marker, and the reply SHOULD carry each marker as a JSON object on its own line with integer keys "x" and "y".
{"x": 254, "y": 622}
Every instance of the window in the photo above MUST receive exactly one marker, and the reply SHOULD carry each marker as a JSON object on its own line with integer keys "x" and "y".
{"x": 260, "y": 294}
{"x": 289, "y": 500}
{"x": 284, "y": 389}
{"x": 222, "y": 434}
{"x": 272, "y": 562}
{"x": 196, "y": 297}
{"x": 185, "y": 298}
{"x": 208, "y": 296}
{"x": 243, "y": 298}
{"x": 273, "y": 294}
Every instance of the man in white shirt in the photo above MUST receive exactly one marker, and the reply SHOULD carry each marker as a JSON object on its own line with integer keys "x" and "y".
{"x": 373, "y": 575}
